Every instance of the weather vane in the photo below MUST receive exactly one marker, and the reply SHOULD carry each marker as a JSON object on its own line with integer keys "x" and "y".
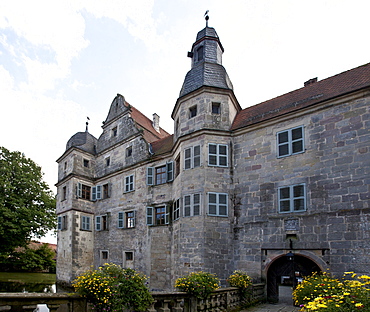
{"x": 206, "y": 17}
{"x": 87, "y": 124}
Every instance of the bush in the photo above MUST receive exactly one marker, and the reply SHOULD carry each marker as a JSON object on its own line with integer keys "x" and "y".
{"x": 111, "y": 288}
{"x": 240, "y": 279}
{"x": 199, "y": 284}
{"x": 324, "y": 293}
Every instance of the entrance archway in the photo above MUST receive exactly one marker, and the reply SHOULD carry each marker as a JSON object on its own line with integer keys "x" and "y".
{"x": 287, "y": 270}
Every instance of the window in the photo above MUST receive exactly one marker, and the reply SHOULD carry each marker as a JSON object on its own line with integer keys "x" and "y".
{"x": 107, "y": 162}
{"x": 216, "y": 108}
{"x": 157, "y": 215}
{"x": 85, "y": 223}
{"x": 176, "y": 209}
{"x": 192, "y": 111}
{"x": 104, "y": 254}
{"x": 114, "y": 131}
{"x": 290, "y": 142}
{"x": 292, "y": 198}
{"x": 86, "y": 163}
{"x": 218, "y": 155}
{"x": 83, "y": 191}
{"x": 65, "y": 165}
{"x": 62, "y": 223}
{"x": 64, "y": 193}
{"x": 129, "y": 183}
{"x": 191, "y": 205}
{"x": 192, "y": 157}
{"x": 129, "y": 255}
{"x": 218, "y": 204}
{"x": 159, "y": 175}
{"x": 177, "y": 166}
{"x": 100, "y": 192}
{"x": 101, "y": 223}
{"x": 129, "y": 151}
{"x": 126, "y": 219}
{"x": 200, "y": 52}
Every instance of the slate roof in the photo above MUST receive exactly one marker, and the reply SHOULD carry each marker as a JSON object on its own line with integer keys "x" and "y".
{"x": 206, "y": 74}
{"x": 84, "y": 141}
{"x": 335, "y": 86}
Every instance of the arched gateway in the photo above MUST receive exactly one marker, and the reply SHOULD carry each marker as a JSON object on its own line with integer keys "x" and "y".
{"x": 288, "y": 270}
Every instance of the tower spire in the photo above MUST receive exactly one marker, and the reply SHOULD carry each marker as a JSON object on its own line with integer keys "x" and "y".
{"x": 206, "y": 17}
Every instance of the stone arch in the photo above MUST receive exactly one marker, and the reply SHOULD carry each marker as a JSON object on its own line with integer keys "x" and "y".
{"x": 287, "y": 269}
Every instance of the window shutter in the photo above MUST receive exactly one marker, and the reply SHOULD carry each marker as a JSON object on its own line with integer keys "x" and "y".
{"x": 149, "y": 175}
{"x": 169, "y": 169}
{"x": 98, "y": 223}
{"x": 59, "y": 223}
{"x": 93, "y": 193}
{"x": 79, "y": 189}
{"x": 133, "y": 182}
{"x": 187, "y": 158}
{"x": 121, "y": 220}
{"x": 87, "y": 223}
{"x": 149, "y": 215}
{"x": 167, "y": 215}
{"x": 134, "y": 220}
{"x": 187, "y": 205}
{"x": 196, "y": 156}
{"x": 98, "y": 192}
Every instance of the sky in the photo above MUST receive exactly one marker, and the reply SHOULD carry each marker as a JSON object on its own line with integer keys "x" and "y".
{"x": 64, "y": 61}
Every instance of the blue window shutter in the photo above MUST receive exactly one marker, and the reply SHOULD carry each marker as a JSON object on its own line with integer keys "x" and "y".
{"x": 98, "y": 192}
{"x": 134, "y": 218}
{"x": 98, "y": 223}
{"x": 169, "y": 169}
{"x": 93, "y": 193}
{"x": 120, "y": 220}
{"x": 79, "y": 189}
{"x": 167, "y": 215}
{"x": 149, "y": 175}
{"x": 59, "y": 223}
{"x": 149, "y": 215}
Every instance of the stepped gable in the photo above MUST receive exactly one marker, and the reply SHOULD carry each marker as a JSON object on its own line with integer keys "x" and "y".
{"x": 313, "y": 93}
{"x": 84, "y": 141}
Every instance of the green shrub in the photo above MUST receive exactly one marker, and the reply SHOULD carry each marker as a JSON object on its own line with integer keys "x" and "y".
{"x": 199, "y": 284}
{"x": 111, "y": 288}
{"x": 240, "y": 279}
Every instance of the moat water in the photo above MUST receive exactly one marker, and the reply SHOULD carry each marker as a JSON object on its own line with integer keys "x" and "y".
{"x": 27, "y": 282}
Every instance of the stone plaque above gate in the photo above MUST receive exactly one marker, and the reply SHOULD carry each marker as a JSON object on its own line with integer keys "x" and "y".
{"x": 291, "y": 225}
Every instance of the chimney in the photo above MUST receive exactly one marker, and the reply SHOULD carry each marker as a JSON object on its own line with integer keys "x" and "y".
{"x": 311, "y": 81}
{"x": 156, "y": 122}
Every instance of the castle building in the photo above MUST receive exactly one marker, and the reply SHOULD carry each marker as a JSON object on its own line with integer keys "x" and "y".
{"x": 280, "y": 189}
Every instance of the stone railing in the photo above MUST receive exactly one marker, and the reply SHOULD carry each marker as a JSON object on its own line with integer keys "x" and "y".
{"x": 224, "y": 299}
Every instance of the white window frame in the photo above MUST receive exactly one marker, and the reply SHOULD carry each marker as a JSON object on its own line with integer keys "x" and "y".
{"x": 290, "y": 142}
{"x": 218, "y": 204}
{"x": 218, "y": 155}
{"x": 291, "y": 199}
{"x": 176, "y": 209}
{"x": 192, "y": 205}
{"x": 192, "y": 157}
{"x": 85, "y": 223}
{"x": 129, "y": 183}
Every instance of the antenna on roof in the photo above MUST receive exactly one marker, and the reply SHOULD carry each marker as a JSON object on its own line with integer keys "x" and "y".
{"x": 206, "y": 17}
{"x": 87, "y": 124}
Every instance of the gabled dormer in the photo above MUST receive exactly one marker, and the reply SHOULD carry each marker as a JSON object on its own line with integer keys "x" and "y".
{"x": 206, "y": 99}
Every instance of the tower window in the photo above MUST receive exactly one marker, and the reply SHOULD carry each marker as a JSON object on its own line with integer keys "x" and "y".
{"x": 200, "y": 52}
{"x": 86, "y": 163}
{"x": 114, "y": 131}
{"x": 129, "y": 151}
{"x": 192, "y": 111}
{"x": 107, "y": 162}
{"x": 216, "y": 108}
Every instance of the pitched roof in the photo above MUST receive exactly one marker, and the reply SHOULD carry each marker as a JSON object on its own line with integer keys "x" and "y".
{"x": 143, "y": 122}
{"x": 163, "y": 145}
{"x": 316, "y": 92}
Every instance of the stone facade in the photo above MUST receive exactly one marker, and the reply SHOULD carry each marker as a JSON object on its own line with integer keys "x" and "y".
{"x": 230, "y": 189}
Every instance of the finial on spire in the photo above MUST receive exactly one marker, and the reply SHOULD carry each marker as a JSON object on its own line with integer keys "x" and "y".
{"x": 87, "y": 124}
{"x": 206, "y": 17}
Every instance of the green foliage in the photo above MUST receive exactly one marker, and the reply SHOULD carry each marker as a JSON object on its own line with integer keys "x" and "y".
{"x": 240, "y": 279}
{"x": 321, "y": 292}
{"x": 199, "y": 284}
{"x": 30, "y": 259}
{"x": 27, "y": 205}
{"x": 111, "y": 288}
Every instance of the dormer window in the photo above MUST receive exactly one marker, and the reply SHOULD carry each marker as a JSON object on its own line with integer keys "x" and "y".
{"x": 86, "y": 163}
{"x": 200, "y": 52}
{"x": 192, "y": 111}
{"x": 114, "y": 131}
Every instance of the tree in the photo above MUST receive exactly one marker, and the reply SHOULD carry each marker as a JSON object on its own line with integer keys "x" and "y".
{"x": 27, "y": 205}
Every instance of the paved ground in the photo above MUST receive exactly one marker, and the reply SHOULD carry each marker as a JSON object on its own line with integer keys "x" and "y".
{"x": 266, "y": 307}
